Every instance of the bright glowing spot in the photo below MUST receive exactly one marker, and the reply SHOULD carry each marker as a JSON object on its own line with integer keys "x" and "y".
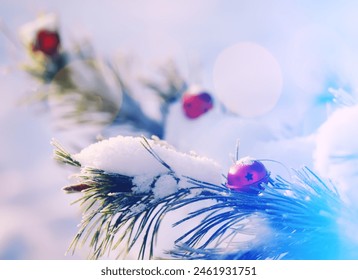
{"x": 247, "y": 79}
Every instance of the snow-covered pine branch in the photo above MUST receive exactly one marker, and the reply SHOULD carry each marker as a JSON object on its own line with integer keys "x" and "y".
{"x": 80, "y": 87}
{"x": 296, "y": 219}
{"x": 128, "y": 184}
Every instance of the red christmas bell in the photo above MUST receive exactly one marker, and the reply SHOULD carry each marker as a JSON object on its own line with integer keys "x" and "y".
{"x": 196, "y": 104}
{"x": 248, "y": 175}
{"x": 47, "y": 42}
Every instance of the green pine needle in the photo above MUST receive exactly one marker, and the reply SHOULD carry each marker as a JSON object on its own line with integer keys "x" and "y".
{"x": 114, "y": 217}
{"x": 61, "y": 155}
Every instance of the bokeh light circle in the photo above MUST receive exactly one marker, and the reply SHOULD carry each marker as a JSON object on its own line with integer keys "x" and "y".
{"x": 247, "y": 79}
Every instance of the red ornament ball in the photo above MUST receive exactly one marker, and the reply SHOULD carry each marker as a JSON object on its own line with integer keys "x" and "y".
{"x": 196, "y": 104}
{"x": 248, "y": 175}
{"x": 47, "y": 42}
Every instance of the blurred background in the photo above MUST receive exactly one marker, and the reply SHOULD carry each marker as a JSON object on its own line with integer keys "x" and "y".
{"x": 313, "y": 43}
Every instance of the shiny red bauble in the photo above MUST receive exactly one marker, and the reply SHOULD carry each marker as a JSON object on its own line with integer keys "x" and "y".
{"x": 47, "y": 42}
{"x": 248, "y": 175}
{"x": 195, "y": 105}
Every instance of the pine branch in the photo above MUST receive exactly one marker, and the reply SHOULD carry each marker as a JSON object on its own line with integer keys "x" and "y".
{"x": 173, "y": 84}
{"x": 62, "y": 156}
{"x": 342, "y": 97}
{"x": 303, "y": 216}
{"x": 295, "y": 219}
{"x": 114, "y": 215}
{"x": 131, "y": 111}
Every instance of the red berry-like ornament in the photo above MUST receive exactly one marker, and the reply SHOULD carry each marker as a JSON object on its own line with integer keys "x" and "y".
{"x": 47, "y": 42}
{"x": 248, "y": 175}
{"x": 196, "y": 104}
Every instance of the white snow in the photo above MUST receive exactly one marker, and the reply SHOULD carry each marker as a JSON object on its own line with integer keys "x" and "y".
{"x": 28, "y": 31}
{"x": 315, "y": 49}
{"x": 245, "y": 161}
{"x": 142, "y": 183}
{"x": 127, "y": 155}
{"x": 336, "y": 153}
{"x": 216, "y": 134}
{"x": 164, "y": 186}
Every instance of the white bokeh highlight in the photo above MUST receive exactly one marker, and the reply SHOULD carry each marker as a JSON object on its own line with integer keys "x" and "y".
{"x": 247, "y": 79}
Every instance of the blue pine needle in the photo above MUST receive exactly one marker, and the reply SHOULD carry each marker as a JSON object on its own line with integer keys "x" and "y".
{"x": 298, "y": 218}
{"x": 301, "y": 218}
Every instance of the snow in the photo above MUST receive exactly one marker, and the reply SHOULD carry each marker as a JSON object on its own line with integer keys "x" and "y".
{"x": 315, "y": 48}
{"x": 336, "y": 153}
{"x": 28, "y": 31}
{"x": 245, "y": 161}
{"x": 127, "y": 155}
{"x": 164, "y": 186}
{"x": 216, "y": 134}
{"x": 142, "y": 183}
